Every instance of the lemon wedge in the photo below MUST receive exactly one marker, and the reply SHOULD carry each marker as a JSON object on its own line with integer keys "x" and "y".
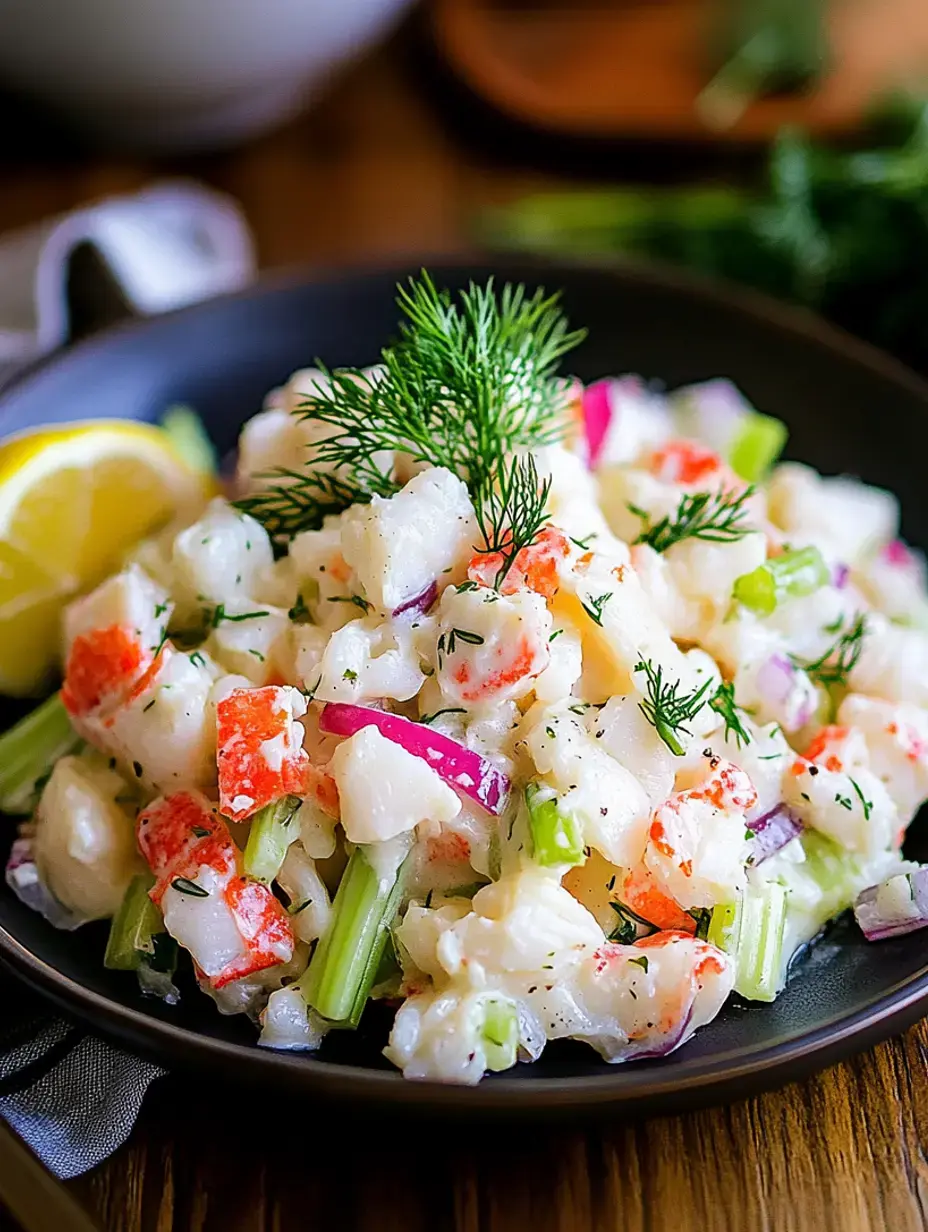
{"x": 72, "y": 500}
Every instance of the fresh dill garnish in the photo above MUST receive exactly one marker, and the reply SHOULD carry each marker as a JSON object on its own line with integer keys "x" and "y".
{"x": 219, "y": 614}
{"x": 594, "y": 609}
{"x": 197, "y": 659}
{"x": 844, "y": 801}
{"x": 866, "y": 805}
{"x": 641, "y": 961}
{"x": 355, "y": 599}
{"x": 470, "y": 380}
{"x": 724, "y": 704}
{"x": 430, "y": 718}
{"x": 666, "y": 709}
{"x": 583, "y": 544}
{"x": 257, "y": 654}
{"x": 350, "y": 675}
{"x": 714, "y": 517}
{"x": 628, "y": 923}
{"x": 512, "y": 507}
{"x": 832, "y": 668}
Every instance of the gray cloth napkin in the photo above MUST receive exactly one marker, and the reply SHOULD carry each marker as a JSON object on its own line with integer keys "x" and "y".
{"x": 71, "y": 1096}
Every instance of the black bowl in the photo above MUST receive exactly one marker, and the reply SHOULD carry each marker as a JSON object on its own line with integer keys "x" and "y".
{"x": 849, "y": 409}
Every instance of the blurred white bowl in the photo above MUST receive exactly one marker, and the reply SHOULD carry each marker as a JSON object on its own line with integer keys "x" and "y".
{"x": 180, "y": 74}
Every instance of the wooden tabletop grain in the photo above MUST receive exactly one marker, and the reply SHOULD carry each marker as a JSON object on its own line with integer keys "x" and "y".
{"x": 367, "y": 173}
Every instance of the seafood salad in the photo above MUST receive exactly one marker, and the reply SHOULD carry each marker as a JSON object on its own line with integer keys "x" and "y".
{"x": 537, "y": 710}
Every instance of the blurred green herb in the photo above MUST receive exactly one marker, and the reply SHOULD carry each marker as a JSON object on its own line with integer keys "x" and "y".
{"x": 842, "y": 232}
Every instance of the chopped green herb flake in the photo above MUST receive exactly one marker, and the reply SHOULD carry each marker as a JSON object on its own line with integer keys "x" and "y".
{"x": 184, "y": 885}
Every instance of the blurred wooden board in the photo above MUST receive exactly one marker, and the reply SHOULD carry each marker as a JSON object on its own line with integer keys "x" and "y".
{"x": 634, "y": 68}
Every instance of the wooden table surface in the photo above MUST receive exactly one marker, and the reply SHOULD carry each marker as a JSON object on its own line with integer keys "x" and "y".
{"x": 369, "y": 172}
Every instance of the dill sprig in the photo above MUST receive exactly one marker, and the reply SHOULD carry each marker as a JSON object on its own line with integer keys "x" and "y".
{"x": 666, "y": 709}
{"x": 832, "y": 668}
{"x": 715, "y": 517}
{"x": 469, "y": 381}
{"x": 724, "y": 704}
{"x": 512, "y": 508}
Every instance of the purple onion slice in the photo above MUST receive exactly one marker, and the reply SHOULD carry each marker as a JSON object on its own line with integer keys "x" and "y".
{"x": 771, "y": 833}
{"x": 419, "y": 604}
{"x": 896, "y": 906}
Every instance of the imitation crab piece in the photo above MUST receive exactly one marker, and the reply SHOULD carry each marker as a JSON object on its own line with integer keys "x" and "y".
{"x": 232, "y": 926}
{"x": 696, "y": 844}
{"x": 177, "y": 834}
{"x": 644, "y": 896}
{"x": 103, "y": 665}
{"x": 687, "y": 463}
{"x": 260, "y": 748}
{"x": 535, "y": 567}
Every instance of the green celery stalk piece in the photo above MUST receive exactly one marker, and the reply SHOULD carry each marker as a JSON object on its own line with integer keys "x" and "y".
{"x": 191, "y": 440}
{"x": 757, "y": 446}
{"x": 29, "y": 750}
{"x": 500, "y": 1033}
{"x": 759, "y": 952}
{"x": 723, "y": 927}
{"x": 752, "y": 932}
{"x": 134, "y": 927}
{"x": 792, "y": 575}
{"x": 270, "y": 835}
{"x": 835, "y": 872}
{"x": 337, "y": 982}
{"x": 556, "y": 836}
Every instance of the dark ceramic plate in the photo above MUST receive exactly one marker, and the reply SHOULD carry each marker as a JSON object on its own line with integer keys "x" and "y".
{"x": 849, "y": 410}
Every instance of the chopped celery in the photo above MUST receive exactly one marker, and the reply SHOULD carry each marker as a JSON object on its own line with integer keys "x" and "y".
{"x": 270, "y": 835}
{"x": 343, "y": 967}
{"x": 723, "y": 927}
{"x": 191, "y": 440}
{"x": 791, "y": 575}
{"x": 835, "y": 872}
{"x": 752, "y": 932}
{"x": 134, "y": 927}
{"x": 757, "y": 446}
{"x": 556, "y": 836}
{"x": 29, "y": 750}
{"x": 500, "y": 1033}
{"x": 759, "y": 955}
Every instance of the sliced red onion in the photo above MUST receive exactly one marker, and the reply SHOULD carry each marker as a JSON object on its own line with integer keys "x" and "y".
{"x": 597, "y": 416}
{"x": 22, "y": 876}
{"x": 775, "y": 679}
{"x": 461, "y": 768}
{"x": 419, "y": 604}
{"x": 897, "y": 553}
{"x": 839, "y": 575}
{"x": 771, "y": 833}
{"x": 896, "y": 906}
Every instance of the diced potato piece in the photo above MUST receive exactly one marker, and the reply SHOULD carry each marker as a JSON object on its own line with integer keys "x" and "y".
{"x": 399, "y": 546}
{"x": 386, "y": 791}
{"x": 84, "y": 841}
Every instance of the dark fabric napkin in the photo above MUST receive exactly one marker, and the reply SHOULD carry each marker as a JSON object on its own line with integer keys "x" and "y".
{"x": 71, "y": 1096}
